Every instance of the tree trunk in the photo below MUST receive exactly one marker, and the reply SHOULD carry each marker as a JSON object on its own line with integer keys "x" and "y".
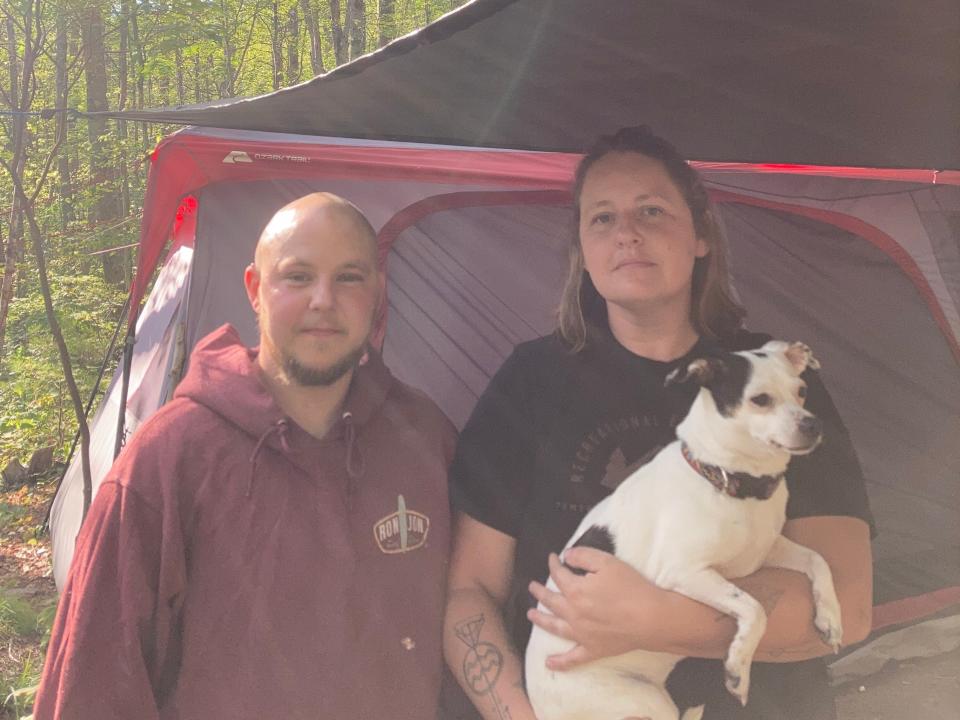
{"x": 388, "y": 22}
{"x": 197, "y": 87}
{"x": 313, "y": 30}
{"x": 95, "y": 71}
{"x": 122, "y": 73}
{"x": 276, "y": 46}
{"x": 357, "y": 27}
{"x": 67, "y": 214}
{"x": 140, "y": 59}
{"x": 181, "y": 85}
{"x": 226, "y": 32}
{"x": 336, "y": 27}
{"x": 19, "y": 98}
{"x": 293, "y": 46}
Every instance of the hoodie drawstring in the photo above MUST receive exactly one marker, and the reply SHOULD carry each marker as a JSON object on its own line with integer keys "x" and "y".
{"x": 355, "y": 463}
{"x": 281, "y": 427}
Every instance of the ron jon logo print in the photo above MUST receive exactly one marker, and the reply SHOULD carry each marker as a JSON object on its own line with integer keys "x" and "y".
{"x": 401, "y": 531}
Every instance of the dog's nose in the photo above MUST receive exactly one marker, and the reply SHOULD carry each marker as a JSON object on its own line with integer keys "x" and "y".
{"x": 810, "y": 426}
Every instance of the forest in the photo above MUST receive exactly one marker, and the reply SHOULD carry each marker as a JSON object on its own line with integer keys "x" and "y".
{"x": 71, "y": 190}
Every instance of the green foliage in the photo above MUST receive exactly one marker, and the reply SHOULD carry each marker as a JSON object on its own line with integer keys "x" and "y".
{"x": 35, "y": 408}
{"x": 21, "y": 621}
{"x": 19, "y": 617}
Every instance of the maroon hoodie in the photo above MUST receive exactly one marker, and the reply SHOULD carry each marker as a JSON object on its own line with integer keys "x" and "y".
{"x": 233, "y": 566}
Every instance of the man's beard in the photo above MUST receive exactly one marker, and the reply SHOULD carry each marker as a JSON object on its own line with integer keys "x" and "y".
{"x": 313, "y": 377}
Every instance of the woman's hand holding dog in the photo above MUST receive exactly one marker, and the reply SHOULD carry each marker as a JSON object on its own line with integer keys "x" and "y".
{"x": 610, "y": 610}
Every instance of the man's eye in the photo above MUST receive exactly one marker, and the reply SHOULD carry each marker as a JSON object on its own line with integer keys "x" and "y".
{"x": 652, "y": 211}
{"x": 761, "y": 400}
{"x": 350, "y": 277}
{"x": 601, "y": 219}
{"x": 298, "y": 277}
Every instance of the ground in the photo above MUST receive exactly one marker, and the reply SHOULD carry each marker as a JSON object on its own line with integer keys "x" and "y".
{"x": 923, "y": 688}
{"x": 27, "y": 592}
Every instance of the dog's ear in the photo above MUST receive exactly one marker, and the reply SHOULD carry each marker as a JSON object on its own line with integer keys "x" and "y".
{"x": 801, "y": 357}
{"x": 798, "y": 354}
{"x": 701, "y": 371}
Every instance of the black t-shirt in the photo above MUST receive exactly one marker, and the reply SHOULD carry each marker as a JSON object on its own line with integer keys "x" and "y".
{"x": 555, "y": 432}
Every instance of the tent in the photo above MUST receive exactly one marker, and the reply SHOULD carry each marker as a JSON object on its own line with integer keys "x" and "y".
{"x": 826, "y": 133}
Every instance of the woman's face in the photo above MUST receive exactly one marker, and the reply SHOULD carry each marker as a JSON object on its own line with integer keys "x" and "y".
{"x": 637, "y": 234}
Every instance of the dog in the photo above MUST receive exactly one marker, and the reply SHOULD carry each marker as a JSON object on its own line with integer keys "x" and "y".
{"x": 709, "y": 506}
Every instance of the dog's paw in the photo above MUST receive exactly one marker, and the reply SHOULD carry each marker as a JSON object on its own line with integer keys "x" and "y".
{"x": 830, "y": 632}
{"x": 738, "y": 684}
{"x": 827, "y": 621}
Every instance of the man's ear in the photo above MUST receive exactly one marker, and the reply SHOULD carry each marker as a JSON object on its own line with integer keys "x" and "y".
{"x": 701, "y": 371}
{"x": 251, "y": 281}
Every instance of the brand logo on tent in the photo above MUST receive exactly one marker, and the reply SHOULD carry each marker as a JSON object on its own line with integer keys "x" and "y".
{"x": 402, "y": 531}
{"x": 237, "y": 156}
{"x": 281, "y": 157}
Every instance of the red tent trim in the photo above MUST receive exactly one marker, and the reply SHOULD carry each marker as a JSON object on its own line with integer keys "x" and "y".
{"x": 914, "y": 608}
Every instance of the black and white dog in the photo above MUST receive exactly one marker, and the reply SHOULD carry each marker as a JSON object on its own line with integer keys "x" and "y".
{"x": 709, "y": 506}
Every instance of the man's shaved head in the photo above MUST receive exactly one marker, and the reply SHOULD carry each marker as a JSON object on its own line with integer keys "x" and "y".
{"x": 315, "y": 286}
{"x": 306, "y": 213}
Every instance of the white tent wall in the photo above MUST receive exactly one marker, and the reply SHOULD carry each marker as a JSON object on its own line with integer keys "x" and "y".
{"x": 153, "y": 355}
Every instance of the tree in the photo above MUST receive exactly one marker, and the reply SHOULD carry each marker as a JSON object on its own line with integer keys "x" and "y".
{"x": 312, "y": 22}
{"x": 336, "y": 29}
{"x": 293, "y": 45}
{"x": 105, "y": 207}
{"x": 62, "y": 99}
{"x": 387, "y": 22}
{"x": 19, "y": 97}
{"x": 356, "y": 27}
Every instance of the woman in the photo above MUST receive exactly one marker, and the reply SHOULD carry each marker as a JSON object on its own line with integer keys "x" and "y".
{"x": 568, "y": 416}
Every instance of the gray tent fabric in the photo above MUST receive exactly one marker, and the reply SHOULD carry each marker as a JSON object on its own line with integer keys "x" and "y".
{"x": 869, "y": 83}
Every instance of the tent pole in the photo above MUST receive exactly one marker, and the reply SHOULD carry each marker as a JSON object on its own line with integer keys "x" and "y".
{"x": 124, "y": 388}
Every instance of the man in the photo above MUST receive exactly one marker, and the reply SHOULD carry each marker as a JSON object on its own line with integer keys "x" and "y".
{"x": 273, "y": 542}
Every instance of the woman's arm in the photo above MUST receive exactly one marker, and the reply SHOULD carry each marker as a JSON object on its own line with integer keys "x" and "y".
{"x": 593, "y": 610}
{"x": 476, "y": 644}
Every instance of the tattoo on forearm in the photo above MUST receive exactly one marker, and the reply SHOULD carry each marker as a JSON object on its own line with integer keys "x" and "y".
{"x": 482, "y": 663}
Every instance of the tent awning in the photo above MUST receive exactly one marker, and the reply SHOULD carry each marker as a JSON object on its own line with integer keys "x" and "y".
{"x": 869, "y": 83}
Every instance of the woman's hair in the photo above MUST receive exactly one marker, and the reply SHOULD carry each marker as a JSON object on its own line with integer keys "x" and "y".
{"x": 713, "y": 311}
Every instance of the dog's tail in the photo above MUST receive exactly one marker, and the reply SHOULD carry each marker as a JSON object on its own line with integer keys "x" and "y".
{"x": 694, "y": 713}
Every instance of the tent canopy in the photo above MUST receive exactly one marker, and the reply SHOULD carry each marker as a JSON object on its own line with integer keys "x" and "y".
{"x": 870, "y": 83}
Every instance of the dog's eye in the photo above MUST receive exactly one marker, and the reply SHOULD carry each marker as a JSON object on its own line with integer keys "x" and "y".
{"x": 802, "y": 392}
{"x": 761, "y": 400}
